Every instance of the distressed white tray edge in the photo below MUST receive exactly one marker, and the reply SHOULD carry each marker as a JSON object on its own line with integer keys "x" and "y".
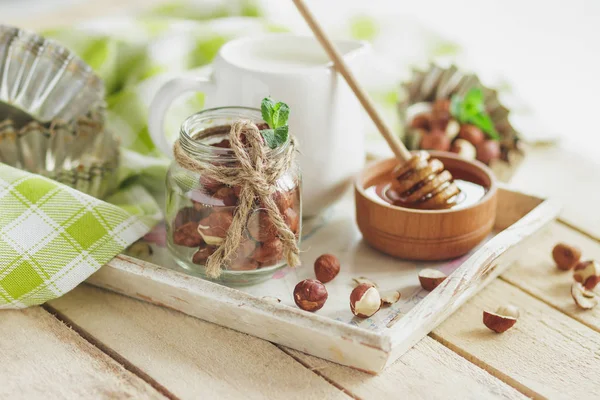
{"x": 320, "y": 336}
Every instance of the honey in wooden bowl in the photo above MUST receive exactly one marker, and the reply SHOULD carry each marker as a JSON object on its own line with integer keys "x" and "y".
{"x": 426, "y": 234}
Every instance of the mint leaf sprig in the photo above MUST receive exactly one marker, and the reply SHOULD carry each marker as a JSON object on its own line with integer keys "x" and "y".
{"x": 470, "y": 109}
{"x": 276, "y": 116}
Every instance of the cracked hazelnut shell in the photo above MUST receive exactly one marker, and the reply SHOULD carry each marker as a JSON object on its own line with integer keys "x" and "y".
{"x": 583, "y": 298}
{"x": 431, "y": 278}
{"x": 587, "y": 273}
{"x": 502, "y": 320}
{"x": 365, "y": 300}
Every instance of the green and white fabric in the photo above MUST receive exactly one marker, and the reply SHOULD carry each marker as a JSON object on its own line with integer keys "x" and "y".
{"x": 52, "y": 237}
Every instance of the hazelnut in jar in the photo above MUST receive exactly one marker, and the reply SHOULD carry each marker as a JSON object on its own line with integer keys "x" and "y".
{"x": 202, "y": 211}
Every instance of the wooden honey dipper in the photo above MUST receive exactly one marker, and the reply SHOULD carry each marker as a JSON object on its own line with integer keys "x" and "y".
{"x": 419, "y": 181}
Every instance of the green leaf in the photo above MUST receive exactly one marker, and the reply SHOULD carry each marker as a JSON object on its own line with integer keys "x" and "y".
{"x": 470, "y": 109}
{"x": 269, "y": 136}
{"x": 280, "y": 115}
{"x": 267, "y": 107}
{"x": 281, "y": 134}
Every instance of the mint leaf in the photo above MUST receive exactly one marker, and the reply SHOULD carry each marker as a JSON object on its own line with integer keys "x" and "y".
{"x": 276, "y": 115}
{"x": 270, "y": 138}
{"x": 281, "y": 134}
{"x": 280, "y": 115}
{"x": 267, "y": 108}
{"x": 470, "y": 109}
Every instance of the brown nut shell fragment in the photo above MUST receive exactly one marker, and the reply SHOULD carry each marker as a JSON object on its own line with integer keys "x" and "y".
{"x": 566, "y": 256}
{"x": 497, "y": 322}
{"x": 310, "y": 295}
{"x": 327, "y": 267}
{"x": 202, "y": 254}
{"x": 587, "y": 273}
{"x": 187, "y": 235}
{"x": 431, "y": 278}
{"x": 584, "y": 299}
{"x": 226, "y": 195}
{"x": 365, "y": 300}
{"x": 292, "y": 219}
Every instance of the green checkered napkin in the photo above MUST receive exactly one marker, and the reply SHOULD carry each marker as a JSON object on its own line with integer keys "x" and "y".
{"x": 53, "y": 237}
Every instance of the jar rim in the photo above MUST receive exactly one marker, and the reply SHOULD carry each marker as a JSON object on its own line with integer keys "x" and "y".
{"x": 199, "y": 149}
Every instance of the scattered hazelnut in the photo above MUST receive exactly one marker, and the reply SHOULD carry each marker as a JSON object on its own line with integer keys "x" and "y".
{"x": 464, "y": 149}
{"x": 587, "y": 273}
{"x": 565, "y": 256}
{"x": 365, "y": 300}
{"x": 499, "y": 322}
{"x": 471, "y": 134}
{"x": 583, "y": 298}
{"x": 361, "y": 279}
{"x": 508, "y": 311}
{"x": 269, "y": 252}
{"x": 436, "y": 140}
{"x": 187, "y": 235}
{"x": 431, "y": 278}
{"x": 260, "y": 227}
{"x": 214, "y": 227}
{"x": 487, "y": 151}
{"x": 327, "y": 267}
{"x": 421, "y": 121}
{"x": 452, "y": 129}
{"x": 390, "y": 297}
{"x": 310, "y": 295}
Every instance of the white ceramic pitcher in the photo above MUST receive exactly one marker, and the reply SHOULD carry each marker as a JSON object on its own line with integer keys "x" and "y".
{"x": 325, "y": 116}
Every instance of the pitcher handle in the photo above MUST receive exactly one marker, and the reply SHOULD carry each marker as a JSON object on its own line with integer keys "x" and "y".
{"x": 163, "y": 100}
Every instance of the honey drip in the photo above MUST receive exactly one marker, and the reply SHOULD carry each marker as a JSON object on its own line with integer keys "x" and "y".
{"x": 424, "y": 183}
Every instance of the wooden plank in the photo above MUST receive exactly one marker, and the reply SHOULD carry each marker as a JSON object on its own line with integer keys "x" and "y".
{"x": 192, "y": 358}
{"x": 546, "y": 354}
{"x": 537, "y": 275}
{"x": 42, "y": 358}
{"x": 427, "y": 371}
{"x": 565, "y": 176}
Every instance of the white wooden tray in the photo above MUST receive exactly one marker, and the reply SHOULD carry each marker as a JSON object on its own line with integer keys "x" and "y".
{"x": 332, "y": 332}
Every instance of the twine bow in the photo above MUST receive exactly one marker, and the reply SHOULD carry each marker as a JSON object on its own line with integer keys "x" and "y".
{"x": 256, "y": 171}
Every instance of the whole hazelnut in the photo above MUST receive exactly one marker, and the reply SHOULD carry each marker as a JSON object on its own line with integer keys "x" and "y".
{"x": 226, "y": 195}
{"x": 187, "y": 235}
{"x": 436, "y": 140}
{"x": 269, "y": 252}
{"x": 202, "y": 254}
{"x": 260, "y": 227}
{"x": 440, "y": 113}
{"x": 421, "y": 121}
{"x": 487, "y": 151}
{"x": 587, "y": 273}
{"x": 283, "y": 200}
{"x": 292, "y": 219}
{"x": 365, "y": 300}
{"x": 185, "y": 215}
{"x": 566, "y": 256}
{"x": 214, "y": 227}
{"x": 471, "y": 134}
{"x": 327, "y": 267}
{"x": 464, "y": 149}
{"x": 310, "y": 295}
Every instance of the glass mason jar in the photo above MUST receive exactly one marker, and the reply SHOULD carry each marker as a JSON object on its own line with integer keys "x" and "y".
{"x": 200, "y": 210}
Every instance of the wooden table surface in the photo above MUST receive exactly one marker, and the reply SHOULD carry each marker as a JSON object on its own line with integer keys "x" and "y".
{"x": 96, "y": 344}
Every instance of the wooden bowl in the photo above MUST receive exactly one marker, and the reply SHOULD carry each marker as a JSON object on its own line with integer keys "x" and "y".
{"x": 425, "y": 234}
